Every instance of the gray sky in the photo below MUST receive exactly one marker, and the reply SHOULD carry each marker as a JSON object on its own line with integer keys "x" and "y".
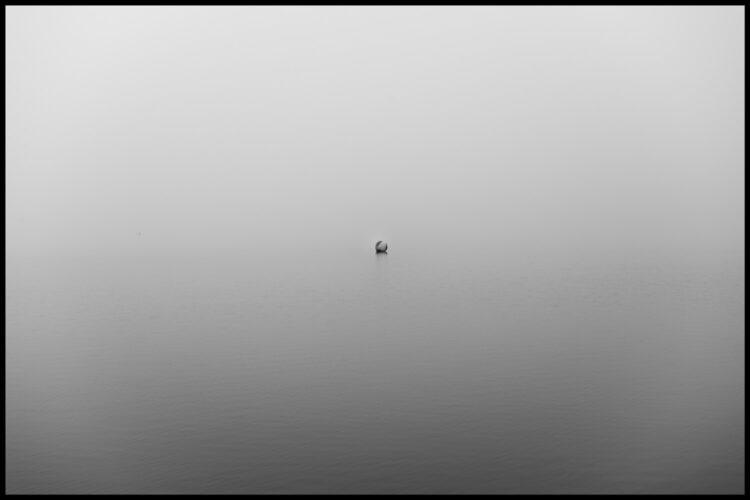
{"x": 575, "y": 128}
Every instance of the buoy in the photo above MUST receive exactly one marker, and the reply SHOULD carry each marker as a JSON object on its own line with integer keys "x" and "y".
{"x": 381, "y": 247}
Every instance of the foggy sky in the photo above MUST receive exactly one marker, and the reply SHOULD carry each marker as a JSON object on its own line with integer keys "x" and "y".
{"x": 576, "y": 129}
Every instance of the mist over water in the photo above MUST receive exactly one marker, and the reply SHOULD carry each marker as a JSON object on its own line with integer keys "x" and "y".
{"x": 411, "y": 372}
{"x": 193, "y": 299}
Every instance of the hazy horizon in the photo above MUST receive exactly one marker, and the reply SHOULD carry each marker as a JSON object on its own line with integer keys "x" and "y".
{"x": 573, "y": 129}
{"x": 194, "y": 303}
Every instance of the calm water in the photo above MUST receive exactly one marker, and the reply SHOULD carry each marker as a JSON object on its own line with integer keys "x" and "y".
{"x": 415, "y": 372}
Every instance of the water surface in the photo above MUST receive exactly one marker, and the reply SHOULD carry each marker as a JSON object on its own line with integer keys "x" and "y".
{"x": 350, "y": 372}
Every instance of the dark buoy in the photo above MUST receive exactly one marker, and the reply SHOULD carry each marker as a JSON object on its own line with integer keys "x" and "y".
{"x": 381, "y": 247}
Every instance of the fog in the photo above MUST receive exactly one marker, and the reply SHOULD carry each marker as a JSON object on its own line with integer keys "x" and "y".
{"x": 193, "y": 197}
{"x": 570, "y": 131}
